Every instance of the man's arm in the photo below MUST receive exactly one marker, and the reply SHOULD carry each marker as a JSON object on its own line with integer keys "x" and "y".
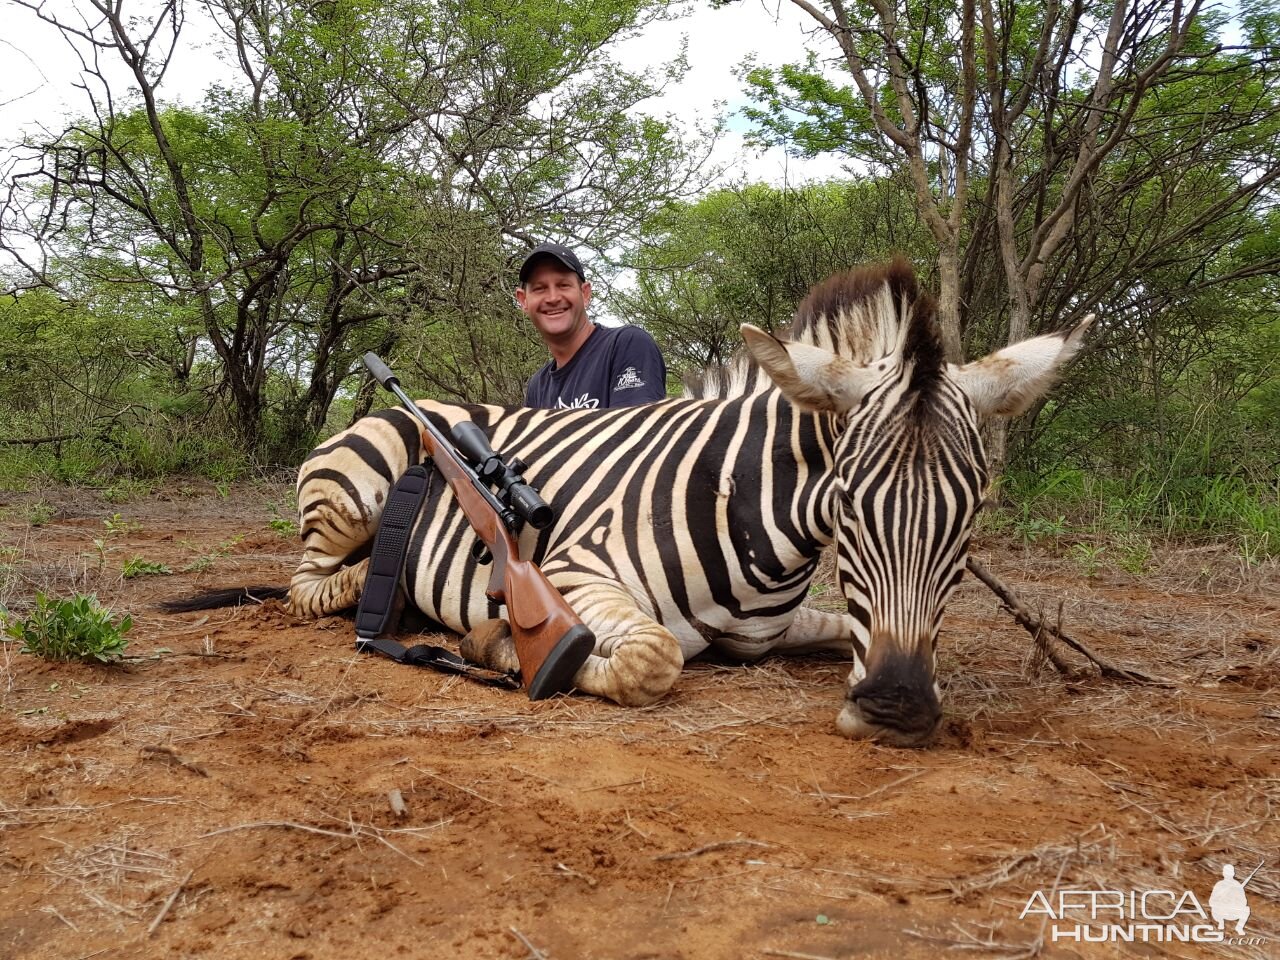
{"x": 637, "y": 373}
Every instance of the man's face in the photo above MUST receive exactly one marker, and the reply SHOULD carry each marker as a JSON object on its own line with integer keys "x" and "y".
{"x": 555, "y": 300}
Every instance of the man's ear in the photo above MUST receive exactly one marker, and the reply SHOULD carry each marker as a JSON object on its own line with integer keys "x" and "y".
{"x": 1007, "y": 382}
{"x": 586, "y": 292}
{"x": 520, "y": 297}
{"x": 809, "y": 376}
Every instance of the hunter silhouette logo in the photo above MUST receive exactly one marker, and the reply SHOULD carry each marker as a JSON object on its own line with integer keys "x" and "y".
{"x": 1147, "y": 916}
{"x": 1228, "y": 900}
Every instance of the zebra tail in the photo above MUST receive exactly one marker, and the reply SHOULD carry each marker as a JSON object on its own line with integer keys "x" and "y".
{"x": 223, "y": 597}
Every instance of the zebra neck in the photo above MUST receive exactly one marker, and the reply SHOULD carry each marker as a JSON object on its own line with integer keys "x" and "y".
{"x": 779, "y": 479}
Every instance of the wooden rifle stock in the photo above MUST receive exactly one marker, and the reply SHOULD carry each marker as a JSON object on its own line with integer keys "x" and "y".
{"x": 551, "y": 641}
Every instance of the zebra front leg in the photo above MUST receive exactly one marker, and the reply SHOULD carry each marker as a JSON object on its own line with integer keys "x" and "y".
{"x": 314, "y": 593}
{"x": 814, "y": 631}
{"x": 635, "y": 662}
{"x": 334, "y": 527}
{"x": 490, "y": 644}
{"x": 322, "y": 584}
{"x": 811, "y": 631}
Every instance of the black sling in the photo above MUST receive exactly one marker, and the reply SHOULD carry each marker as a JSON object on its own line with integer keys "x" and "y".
{"x": 386, "y": 564}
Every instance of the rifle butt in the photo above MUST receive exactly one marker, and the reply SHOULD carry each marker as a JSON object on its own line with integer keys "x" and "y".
{"x": 548, "y": 668}
{"x": 552, "y": 643}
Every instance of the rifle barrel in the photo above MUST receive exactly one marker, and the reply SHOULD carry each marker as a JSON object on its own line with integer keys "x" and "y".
{"x": 384, "y": 376}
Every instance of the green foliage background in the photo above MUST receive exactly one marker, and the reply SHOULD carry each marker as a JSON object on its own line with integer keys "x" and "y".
{"x": 191, "y": 288}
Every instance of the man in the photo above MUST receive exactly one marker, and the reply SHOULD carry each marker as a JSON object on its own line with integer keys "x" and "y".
{"x": 591, "y": 366}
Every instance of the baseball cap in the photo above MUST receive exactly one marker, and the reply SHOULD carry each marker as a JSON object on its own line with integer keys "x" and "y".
{"x": 554, "y": 250}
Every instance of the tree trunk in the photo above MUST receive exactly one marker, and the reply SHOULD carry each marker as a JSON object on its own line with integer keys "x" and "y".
{"x": 368, "y": 389}
{"x": 995, "y": 440}
{"x": 949, "y": 302}
{"x": 248, "y": 418}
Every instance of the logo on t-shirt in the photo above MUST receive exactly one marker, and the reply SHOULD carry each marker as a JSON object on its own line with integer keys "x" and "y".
{"x": 584, "y": 402}
{"x": 629, "y": 379}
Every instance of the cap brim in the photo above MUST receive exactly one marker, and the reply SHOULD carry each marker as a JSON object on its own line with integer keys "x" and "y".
{"x": 533, "y": 260}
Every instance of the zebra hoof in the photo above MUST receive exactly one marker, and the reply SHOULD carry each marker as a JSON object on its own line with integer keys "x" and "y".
{"x": 489, "y": 644}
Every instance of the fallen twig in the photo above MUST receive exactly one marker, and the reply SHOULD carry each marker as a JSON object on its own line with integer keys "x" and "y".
{"x": 1035, "y": 626}
{"x": 1044, "y": 651}
{"x": 357, "y": 831}
{"x": 570, "y": 872}
{"x": 456, "y": 786}
{"x": 53, "y": 911}
{"x": 1020, "y": 951}
{"x": 710, "y": 848}
{"x": 168, "y": 904}
{"x": 890, "y": 785}
{"x": 534, "y": 952}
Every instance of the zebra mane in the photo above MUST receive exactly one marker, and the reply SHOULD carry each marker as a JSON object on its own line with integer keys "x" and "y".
{"x": 865, "y": 315}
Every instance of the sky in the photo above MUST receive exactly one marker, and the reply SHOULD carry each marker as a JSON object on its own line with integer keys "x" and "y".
{"x": 39, "y": 73}
{"x": 774, "y": 32}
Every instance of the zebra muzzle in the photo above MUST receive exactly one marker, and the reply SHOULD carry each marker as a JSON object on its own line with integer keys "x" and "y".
{"x": 897, "y": 704}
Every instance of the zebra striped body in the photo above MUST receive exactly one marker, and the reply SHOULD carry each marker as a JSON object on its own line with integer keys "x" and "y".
{"x": 666, "y": 503}
{"x": 699, "y": 522}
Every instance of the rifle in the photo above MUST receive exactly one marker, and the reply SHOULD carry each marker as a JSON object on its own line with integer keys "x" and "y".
{"x": 551, "y": 641}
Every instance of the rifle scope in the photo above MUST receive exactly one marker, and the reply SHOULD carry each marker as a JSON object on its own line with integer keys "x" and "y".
{"x": 528, "y": 505}
{"x": 474, "y": 447}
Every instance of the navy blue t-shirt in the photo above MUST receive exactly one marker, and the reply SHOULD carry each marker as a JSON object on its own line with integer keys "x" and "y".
{"x": 615, "y": 367}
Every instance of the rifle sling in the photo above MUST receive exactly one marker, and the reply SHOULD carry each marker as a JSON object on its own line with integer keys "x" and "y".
{"x": 438, "y": 658}
{"x": 377, "y": 600}
{"x": 386, "y": 565}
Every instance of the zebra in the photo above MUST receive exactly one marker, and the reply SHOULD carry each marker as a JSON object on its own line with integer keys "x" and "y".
{"x": 699, "y": 522}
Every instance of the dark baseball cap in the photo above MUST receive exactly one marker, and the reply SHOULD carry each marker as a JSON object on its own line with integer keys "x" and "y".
{"x": 556, "y": 252}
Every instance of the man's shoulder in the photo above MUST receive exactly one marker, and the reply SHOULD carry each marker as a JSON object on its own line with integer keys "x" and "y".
{"x": 542, "y": 372}
{"x": 629, "y": 334}
{"x": 538, "y": 385}
{"x": 637, "y": 372}
{"x": 632, "y": 342}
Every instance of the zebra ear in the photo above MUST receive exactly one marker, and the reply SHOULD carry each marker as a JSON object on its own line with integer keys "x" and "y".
{"x": 1007, "y": 382}
{"x": 808, "y": 376}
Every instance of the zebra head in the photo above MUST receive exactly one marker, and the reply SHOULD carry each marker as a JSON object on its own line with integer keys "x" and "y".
{"x": 908, "y": 471}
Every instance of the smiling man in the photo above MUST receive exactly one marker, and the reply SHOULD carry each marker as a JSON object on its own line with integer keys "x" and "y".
{"x": 591, "y": 366}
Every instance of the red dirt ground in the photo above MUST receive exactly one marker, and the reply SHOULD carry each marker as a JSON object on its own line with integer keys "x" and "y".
{"x": 224, "y": 793}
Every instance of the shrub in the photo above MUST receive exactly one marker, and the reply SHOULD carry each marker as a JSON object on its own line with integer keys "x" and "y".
{"x": 40, "y": 513}
{"x": 75, "y": 629}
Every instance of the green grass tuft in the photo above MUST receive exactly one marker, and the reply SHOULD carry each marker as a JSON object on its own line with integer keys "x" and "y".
{"x": 138, "y": 567}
